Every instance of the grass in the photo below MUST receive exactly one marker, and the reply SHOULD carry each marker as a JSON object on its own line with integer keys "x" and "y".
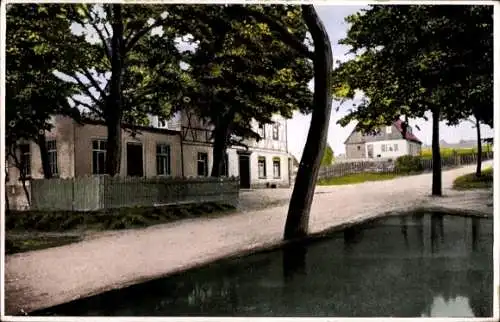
{"x": 33, "y": 230}
{"x": 20, "y": 245}
{"x": 448, "y": 152}
{"x": 357, "y": 178}
{"x": 470, "y": 181}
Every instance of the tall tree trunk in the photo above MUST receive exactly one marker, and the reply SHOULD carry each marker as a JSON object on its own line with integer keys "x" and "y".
{"x": 297, "y": 221}
{"x": 44, "y": 154}
{"x": 7, "y": 204}
{"x": 436, "y": 154}
{"x": 479, "y": 148}
{"x": 114, "y": 108}
{"x": 221, "y": 133}
{"x": 22, "y": 174}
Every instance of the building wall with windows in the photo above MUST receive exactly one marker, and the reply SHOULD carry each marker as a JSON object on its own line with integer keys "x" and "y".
{"x": 269, "y": 168}
{"x": 80, "y": 150}
{"x": 91, "y": 154}
{"x": 386, "y": 149}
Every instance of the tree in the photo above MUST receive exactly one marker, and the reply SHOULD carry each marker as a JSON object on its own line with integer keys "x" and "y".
{"x": 33, "y": 94}
{"x": 327, "y": 156}
{"x": 242, "y": 71}
{"x": 297, "y": 221}
{"x": 129, "y": 71}
{"x": 410, "y": 60}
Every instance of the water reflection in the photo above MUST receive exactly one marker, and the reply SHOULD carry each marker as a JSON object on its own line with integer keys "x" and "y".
{"x": 294, "y": 261}
{"x": 398, "y": 266}
{"x": 456, "y": 307}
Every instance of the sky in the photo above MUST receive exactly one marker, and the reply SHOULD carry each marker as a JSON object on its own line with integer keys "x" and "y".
{"x": 298, "y": 126}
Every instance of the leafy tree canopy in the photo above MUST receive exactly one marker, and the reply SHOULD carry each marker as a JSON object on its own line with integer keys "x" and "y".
{"x": 36, "y": 46}
{"x": 412, "y": 59}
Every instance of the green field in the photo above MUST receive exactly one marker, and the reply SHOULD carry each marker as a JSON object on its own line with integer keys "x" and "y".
{"x": 448, "y": 152}
{"x": 356, "y": 178}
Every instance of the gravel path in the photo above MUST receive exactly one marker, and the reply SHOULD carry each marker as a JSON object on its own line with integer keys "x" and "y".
{"x": 45, "y": 278}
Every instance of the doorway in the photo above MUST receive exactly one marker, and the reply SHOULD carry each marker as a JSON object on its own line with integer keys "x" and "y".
{"x": 135, "y": 167}
{"x": 244, "y": 168}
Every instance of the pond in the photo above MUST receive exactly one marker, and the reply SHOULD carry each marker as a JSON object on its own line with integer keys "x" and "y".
{"x": 418, "y": 265}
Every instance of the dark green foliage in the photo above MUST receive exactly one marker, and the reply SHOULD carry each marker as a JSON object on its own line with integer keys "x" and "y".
{"x": 19, "y": 245}
{"x": 242, "y": 70}
{"x": 327, "y": 156}
{"x": 416, "y": 59}
{"x": 54, "y": 221}
{"x": 408, "y": 164}
{"x": 38, "y": 42}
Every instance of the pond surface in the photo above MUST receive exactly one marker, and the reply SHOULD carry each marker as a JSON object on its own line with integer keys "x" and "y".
{"x": 420, "y": 265}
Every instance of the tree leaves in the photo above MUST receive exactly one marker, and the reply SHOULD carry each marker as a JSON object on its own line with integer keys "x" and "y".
{"x": 410, "y": 58}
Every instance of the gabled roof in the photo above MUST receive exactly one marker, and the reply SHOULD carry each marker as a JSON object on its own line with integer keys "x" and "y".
{"x": 399, "y": 126}
{"x": 409, "y": 136}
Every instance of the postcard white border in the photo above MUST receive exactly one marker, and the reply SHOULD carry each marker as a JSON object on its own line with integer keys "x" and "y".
{"x": 496, "y": 161}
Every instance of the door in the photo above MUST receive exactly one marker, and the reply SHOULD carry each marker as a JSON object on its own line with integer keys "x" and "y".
{"x": 244, "y": 165}
{"x": 135, "y": 166}
{"x": 370, "y": 151}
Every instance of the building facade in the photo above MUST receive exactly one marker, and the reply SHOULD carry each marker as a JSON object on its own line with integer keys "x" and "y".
{"x": 181, "y": 147}
{"x": 387, "y": 143}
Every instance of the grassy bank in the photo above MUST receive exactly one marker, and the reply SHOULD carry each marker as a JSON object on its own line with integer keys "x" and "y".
{"x": 33, "y": 230}
{"x": 357, "y": 178}
{"x": 470, "y": 181}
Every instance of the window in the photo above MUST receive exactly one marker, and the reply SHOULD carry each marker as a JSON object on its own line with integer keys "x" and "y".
{"x": 202, "y": 164}
{"x": 52, "y": 154}
{"x": 383, "y": 147}
{"x": 277, "y": 168}
{"x": 389, "y": 147}
{"x": 396, "y": 147}
{"x": 388, "y": 129}
{"x": 276, "y": 135}
{"x": 25, "y": 159}
{"x": 262, "y": 167}
{"x": 163, "y": 159}
{"x": 99, "y": 156}
{"x": 262, "y": 130}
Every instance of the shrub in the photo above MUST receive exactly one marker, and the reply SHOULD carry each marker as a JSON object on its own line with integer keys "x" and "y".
{"x": 409, "y": 164}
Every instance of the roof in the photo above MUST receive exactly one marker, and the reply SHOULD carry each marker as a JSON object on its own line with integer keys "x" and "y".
{"x": 139, "y": 128}
{"x": 399, "y": 126}
{"x": 409, "y": 136}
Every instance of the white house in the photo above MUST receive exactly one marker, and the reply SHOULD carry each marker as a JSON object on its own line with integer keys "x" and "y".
{"x": 388, "y": 143}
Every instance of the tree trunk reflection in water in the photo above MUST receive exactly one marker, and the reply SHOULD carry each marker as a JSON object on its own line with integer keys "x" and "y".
{"x": 404, "y": 228}
{"x": 294, "y": 261}
{"x": 419, "y": 221}
{"x": 475, "y": 233}
{"x": 437, "y": 231}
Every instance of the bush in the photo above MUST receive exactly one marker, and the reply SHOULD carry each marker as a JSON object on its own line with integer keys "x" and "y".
{"x": 409, "y": 164}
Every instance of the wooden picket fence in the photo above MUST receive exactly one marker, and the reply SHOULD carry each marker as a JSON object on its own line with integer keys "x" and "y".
{"x": 388, "y": 166}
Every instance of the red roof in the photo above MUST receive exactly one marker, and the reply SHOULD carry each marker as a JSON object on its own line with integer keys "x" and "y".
{"x": 409, "y": 136}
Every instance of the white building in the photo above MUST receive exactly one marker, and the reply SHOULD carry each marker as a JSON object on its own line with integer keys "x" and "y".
{"x": 388, "y": 143}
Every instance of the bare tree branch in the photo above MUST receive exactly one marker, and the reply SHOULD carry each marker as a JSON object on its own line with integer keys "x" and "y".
{"x": 107, "y": 50}
{"x": 90, "y": 107}
{"x": 92, "y": 80}
{"x": 132, "y": 39}
{"x": 288, "y": 38}
{"x": 85, "y": 88}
